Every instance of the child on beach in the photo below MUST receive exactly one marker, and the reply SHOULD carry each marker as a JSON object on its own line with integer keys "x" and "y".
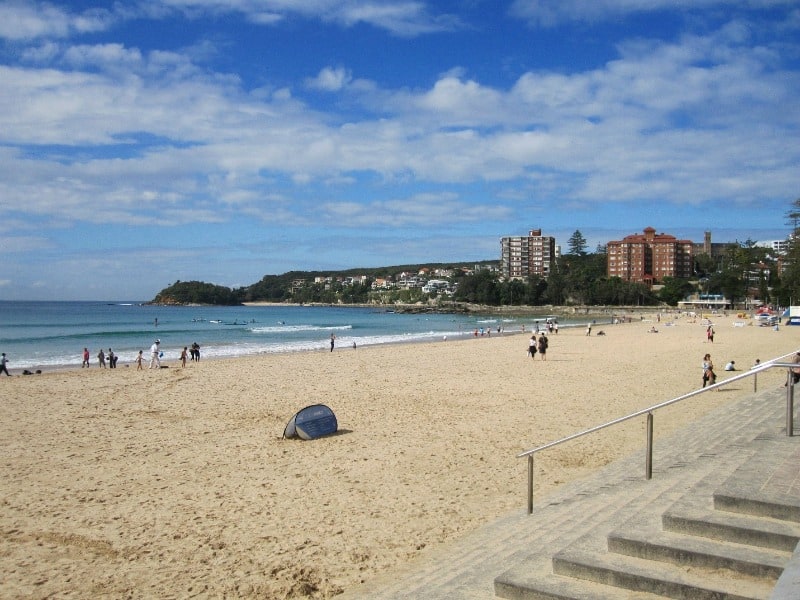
{"x": 139, "y": 359}
{"x": 183, "y": 357}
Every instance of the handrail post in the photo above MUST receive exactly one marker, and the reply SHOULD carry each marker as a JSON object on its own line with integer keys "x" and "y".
{"x": 790, "y": 404}
{"x": 530, "y": 484}
{"x": 755, "y": 382}
{"x": 648, "y": 468}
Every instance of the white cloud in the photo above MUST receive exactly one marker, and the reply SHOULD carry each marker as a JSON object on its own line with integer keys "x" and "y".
{"x": 203, "y": 144}
{"x": 330, "y": 79}
{"x": 35, "y": 20}
{"x": 107, "y": 56}
{"x": 406, "y": 18}
{"x": 548, "y": 14}
{"x": 420, "y": 210}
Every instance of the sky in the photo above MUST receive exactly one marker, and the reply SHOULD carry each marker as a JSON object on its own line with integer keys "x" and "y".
{"x": 145, "y": 142}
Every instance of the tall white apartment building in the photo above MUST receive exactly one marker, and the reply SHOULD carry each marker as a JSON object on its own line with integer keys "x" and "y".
{"x": 523, "y": 256}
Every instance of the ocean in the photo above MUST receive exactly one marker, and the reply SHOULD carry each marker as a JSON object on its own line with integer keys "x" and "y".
{"x": 42, "y": 335}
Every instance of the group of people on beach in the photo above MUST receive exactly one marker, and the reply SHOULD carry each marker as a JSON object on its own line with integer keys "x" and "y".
{"x": 103, "y": 360}
{"x": 156, "y": 354}
{"x": 538, "y": 346}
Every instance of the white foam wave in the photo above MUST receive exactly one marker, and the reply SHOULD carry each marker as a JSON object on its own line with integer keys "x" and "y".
{"x": 298, "y": 328}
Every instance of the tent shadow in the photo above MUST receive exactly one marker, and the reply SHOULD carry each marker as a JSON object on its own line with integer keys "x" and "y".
{"x": 336, "y": 433}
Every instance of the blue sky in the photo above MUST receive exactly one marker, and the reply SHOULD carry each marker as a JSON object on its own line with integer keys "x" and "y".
{"x": 146, "y": 142}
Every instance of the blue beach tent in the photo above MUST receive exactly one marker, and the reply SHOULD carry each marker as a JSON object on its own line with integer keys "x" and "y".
{"x": 312, "y": 422}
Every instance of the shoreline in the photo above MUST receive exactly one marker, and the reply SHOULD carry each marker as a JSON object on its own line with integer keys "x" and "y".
{"x": 126, "y": 359}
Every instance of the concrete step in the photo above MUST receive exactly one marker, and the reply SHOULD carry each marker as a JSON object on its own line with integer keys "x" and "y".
{"x": 699, "y": 552}
{"x": 697, "y": 516}
{"x": 638, "y": 574}
{"x": 549, "y": 586}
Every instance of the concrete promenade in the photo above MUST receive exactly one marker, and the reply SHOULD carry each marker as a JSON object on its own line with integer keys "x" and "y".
{"x": 740, "y": 448}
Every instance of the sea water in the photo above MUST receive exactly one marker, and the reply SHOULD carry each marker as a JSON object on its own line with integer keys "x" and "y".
{"x": 41, "y": 335}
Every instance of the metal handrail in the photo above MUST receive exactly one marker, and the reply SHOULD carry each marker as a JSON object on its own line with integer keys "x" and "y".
{"x": 649, "y": 412}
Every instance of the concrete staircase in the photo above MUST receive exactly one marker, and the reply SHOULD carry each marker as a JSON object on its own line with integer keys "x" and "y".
{"x": 725, "y": 528}
{"x": 719, "y": 519}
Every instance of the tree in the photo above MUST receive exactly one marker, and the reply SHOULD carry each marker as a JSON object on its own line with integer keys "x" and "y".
{"x": 789, "y": 291}
{"x": 577, "y": 244}
{"x": 793, "y": 217}
{"x": 674, "y": 290}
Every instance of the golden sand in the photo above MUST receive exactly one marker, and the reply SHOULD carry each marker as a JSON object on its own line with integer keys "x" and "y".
{"x": 176, "y": 482}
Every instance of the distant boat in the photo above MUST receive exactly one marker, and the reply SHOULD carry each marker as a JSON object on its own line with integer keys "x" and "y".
{"x": 217, "y": 321}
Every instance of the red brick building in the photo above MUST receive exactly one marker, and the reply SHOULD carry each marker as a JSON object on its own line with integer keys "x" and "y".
{"x": 649, "y": 257}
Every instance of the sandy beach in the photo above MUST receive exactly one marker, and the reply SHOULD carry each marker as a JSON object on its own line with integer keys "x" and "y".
{"x": 176, "y": 483}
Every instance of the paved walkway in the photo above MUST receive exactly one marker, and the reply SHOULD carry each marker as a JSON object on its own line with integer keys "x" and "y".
{"x": 723, "y": 441}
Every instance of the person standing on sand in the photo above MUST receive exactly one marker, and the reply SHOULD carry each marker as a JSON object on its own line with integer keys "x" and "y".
{"x": 155, "y": 361}
{"x": 532, "y": 346}
{"x": 3, "y": 363}
{"x": 709, "y": 377}
{"x": 101, "y": 359}
{"x": 333, "y": 341}
{"x": 139, "y": 359}
{"x": 85, "y": 362}
{"x": 183, "y": 357}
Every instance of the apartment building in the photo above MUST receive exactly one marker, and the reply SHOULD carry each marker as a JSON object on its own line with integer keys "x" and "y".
{"x": 523, "y": 256}
{"x": 648, "y": 257}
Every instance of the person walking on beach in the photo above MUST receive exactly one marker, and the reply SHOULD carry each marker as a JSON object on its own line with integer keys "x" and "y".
{"x": 195, "y": 351}
{"x": 532, "y": 346}
{"x": 112, "y": 359}
{"x": 3, "y": 363}
{"x": 139, "y": 360}
{"x": 85, "y": 362}
{"x": 543, "y": 343}
{"x": 101, "y": 359}
{"x": 333, "y": 341}
{"x": 155, "y": 360}
{"x": 183, "y": 357}
{"x": 710, "y": 334}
